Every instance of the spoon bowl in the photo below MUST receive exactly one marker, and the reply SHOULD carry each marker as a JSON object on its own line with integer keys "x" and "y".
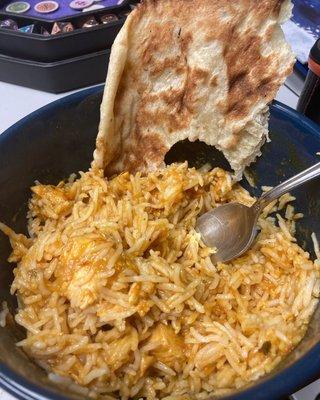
{"x": 230, "y": 229}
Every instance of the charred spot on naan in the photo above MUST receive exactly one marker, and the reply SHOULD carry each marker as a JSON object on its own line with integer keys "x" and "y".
{"x": 141, "y": 153}
{"x": 251, "y": 82}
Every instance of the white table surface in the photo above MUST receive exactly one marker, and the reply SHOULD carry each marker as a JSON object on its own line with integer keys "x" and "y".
{"x": 17, "y": 102}
{"x": 5, "y": 396}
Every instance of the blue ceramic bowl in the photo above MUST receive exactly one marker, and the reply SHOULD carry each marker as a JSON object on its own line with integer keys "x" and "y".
{"x": 57, "y": 140}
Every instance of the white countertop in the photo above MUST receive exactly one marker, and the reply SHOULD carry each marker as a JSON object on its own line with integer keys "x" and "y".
{"x": 17, "y": 102}
{"x": 5, "y": 396}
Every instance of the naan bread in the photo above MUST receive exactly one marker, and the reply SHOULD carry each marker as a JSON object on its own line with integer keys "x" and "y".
{"x": 192, "y": 69}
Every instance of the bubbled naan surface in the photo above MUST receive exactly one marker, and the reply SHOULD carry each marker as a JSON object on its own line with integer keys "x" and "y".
{"x": 192, "y": 69}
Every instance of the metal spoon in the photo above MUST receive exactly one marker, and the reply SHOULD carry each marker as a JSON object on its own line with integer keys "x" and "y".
{"x": 232, "y": 228}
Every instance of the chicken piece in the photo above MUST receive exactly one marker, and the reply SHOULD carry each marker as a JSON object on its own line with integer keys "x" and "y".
{"x": 120, "y": 350}
{"x": 83, "y": 288}
{"x": 77, "y": 275}
{"x": 55, "y": 201}
{"x": 170, "y": 347}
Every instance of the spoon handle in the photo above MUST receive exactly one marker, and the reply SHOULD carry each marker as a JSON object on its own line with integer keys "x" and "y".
{"x": 286, "y": 186}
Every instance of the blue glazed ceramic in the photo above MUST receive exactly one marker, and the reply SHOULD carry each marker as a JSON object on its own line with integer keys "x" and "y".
{"x": 57, "y": 140}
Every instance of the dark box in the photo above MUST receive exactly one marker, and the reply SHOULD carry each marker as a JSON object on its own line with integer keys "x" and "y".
{"x": 56, "y": 77}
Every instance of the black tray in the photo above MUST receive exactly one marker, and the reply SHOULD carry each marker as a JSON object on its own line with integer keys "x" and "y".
{"x": 59, "y": 47}
{"x": 56, "y": 77}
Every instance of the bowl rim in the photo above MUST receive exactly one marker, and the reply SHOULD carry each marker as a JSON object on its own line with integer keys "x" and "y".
{"x": 300, "y": 373}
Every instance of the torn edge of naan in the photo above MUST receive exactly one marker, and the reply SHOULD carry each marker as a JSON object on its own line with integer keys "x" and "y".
{"x": 134, "y": 138}
{"x": 108, "y": 141}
